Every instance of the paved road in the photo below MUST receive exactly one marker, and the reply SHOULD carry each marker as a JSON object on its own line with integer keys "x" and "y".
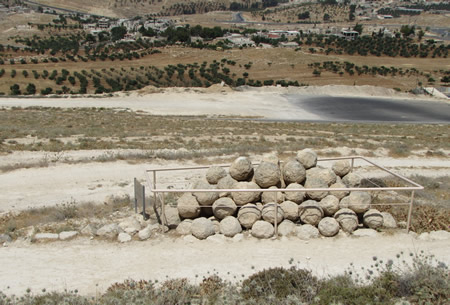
{"x": 238, "y": 18}
{"x": 374, "y": 109}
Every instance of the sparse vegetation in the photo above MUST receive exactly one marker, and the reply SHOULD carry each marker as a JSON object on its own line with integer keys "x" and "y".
{"x": 131, "y": 130}
{"x": 421, "y": 280}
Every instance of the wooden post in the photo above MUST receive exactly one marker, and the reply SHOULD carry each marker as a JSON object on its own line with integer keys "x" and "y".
{"x": 139, "y": 196}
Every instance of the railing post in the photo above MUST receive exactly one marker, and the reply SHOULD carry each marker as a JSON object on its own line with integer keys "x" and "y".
{"x": 143, "y": 201}
{"x": 163, "y": 211}
{"x": 154, "y": 186}
{"x": 135, "y": 196}
{"x": 276, "y": 220}
{"x": 351, "y": 165}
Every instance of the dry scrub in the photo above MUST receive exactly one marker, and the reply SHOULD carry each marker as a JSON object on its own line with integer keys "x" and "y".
{"x": 57, "y": 130}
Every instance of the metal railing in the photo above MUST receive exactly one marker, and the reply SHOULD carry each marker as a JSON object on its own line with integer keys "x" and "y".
{"x": 152, "y": 184}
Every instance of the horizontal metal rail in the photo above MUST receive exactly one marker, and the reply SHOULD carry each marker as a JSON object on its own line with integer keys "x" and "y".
{"x": 415, "y": 186}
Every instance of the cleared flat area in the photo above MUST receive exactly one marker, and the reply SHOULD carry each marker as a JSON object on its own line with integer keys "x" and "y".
{"x": 374, "y": 109}
{"x": 92, "y": 266}
{"x": 314, "y": 103}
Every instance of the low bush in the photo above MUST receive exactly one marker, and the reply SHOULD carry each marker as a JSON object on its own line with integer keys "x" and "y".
{"x": 280, "y": 283}
{"x": 421, "y": 280}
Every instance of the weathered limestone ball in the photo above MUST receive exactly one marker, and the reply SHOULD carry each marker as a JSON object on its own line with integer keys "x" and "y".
{"x": 224, "y": 207}
{"x": 296, "y": 197}
{"x": 230, "y": 226}
{"x": 205, "y": 198}
{"x": 307, "y": 157}
{"x": 202, "y": 228}
{"x": 339, "y": 194}
{"x": 248, "y": 215}
{"x": 226, "y": 183}
{"x": 172, "y": 217}
{"x": 268, "y": 213}
{"x": 241, "y": 169}
{"x": 373, "y": 219}
{"x": 290, "y": 210}
{"x": 341, "y": 167}
{"x": 325, "y": 174}
{"x": 329, "y": 205}
{"x": 358, "y": 201}
{"x": 286, "y": 227}
{"x": 262, "y": 229}
{"x": 188, "y": 206}
{"x": 215, "y": 223}
{"x": 351, "y": 180}
{"x": 267, "y": 174}
{"x": 271, "y": 157}
{"x": 214, "y": 174}
{"x": 316, "y": 182}
{"x": 310, "y": 212}
{"x": 267, "y": 197}
{"x": 348, "y": 220}
{"x": 307, "y": 231}
{"x": 293, "y": 172}
{"x": 241, "y": 198}
{"x": 184, "y": 228}
{"x": 389, "y": 220}
{"x": 328, "y": 226}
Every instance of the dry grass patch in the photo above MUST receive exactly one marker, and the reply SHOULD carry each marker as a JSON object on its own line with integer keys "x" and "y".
{"x": 56, "y": 130}
{"x": 430, "y": 211}
{"x": 63, "y": 217}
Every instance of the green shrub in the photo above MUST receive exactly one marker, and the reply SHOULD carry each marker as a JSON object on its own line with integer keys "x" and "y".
{"x": 426, "y": 281}
{"x": 280, "y": 283}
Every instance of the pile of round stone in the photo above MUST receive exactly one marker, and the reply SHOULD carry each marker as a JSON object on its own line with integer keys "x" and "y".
{"x": 305, "y": 214}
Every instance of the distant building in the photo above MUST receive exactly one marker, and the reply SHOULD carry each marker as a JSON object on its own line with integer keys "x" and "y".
{"x": 47, "y": 10}
{"x": 291, "y": 44}
{"x": 103, "y": 23}
{"x": 409, "y": 10}
{"x": 239, "y": 40}
{"x": 349, "y": 35}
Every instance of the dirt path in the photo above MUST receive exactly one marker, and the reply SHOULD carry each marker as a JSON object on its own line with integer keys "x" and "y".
{"x": 91, "y": 266}
{"x": 62, "y": 183}
{"x": 267, "y": 102}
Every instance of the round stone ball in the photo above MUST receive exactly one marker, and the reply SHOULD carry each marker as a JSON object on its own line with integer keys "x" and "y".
{"x": 310, "y": 212}
{"x": 188, "y": 206}
{"x": 241, "y": 198}
{"x": 248, "y": 215}
{"x": 267, "y": 174}
{"x": 230, "y": 226}
{"x": 293, "y": 172}
{"x": 224, "y": 207}
{"x": 358, "y": 201}
{"x": 262, "y": 229}
{"x": 307, "y": 157}
{"x": 241, "y": 169}
{"x": 348, "y": 220}
{"x": 373, "y": 219}
{"x": 268, "y": 213}
{"x": 214, "y": 174}
{"x": 341, "y": 167}
{"x": 328, "y": 227}
{"x": 294, "y": 196}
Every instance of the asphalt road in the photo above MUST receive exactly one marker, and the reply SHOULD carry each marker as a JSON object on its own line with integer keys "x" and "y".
{"x": 374, "y": 109}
